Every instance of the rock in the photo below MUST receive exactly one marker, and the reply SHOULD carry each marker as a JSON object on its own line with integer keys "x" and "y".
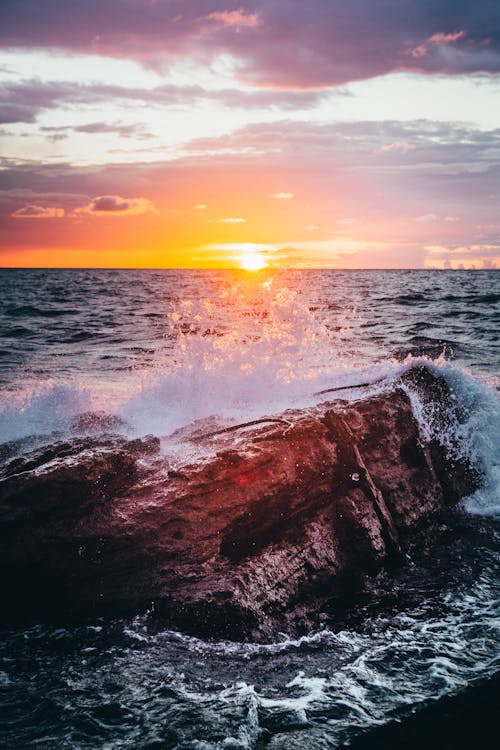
{"x": 244, "y": 543}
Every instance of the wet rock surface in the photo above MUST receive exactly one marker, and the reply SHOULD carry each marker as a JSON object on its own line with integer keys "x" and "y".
{"x": 272, "y": 526}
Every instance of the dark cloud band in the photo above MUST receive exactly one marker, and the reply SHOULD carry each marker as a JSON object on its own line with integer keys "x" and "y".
{"x": 287, "y": 43}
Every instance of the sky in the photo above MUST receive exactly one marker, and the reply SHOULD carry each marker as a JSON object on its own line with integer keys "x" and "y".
{"x": 222, "y": 133}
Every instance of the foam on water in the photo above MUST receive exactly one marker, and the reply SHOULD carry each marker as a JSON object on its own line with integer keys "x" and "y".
{"x": 225, "y": 696}
{"x": 239, "y": 351}
{"x": 473, "y": 436}
{"x": 254, "y": 351}
{"x": 398, "y": 662}
{"x": 43, "y": 409}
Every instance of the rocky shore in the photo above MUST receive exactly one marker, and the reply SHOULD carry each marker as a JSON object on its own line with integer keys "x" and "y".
{"x": 268, "y": 527}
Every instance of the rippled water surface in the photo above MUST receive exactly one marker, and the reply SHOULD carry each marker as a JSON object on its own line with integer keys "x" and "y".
{"x": 100, "y": 324}
{"x": 164, "y": 348}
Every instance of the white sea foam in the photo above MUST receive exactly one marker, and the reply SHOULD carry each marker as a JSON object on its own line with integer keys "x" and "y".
{"x": 272, "y": 354}
{"x": 265, "y": 353}
{"x": 474, "y": 436}
{"x": 356, "y": 679}
{"x": 40, "y": 410}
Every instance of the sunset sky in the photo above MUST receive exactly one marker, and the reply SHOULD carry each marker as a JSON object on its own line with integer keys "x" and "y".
{"x": 193, "y": 133}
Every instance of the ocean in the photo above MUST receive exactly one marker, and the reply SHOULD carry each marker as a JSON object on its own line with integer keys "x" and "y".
{"x": 165, "y": 349}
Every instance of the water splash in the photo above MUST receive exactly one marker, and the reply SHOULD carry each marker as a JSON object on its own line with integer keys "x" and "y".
{"x": 255, "y": 350}
{"x": 251, "y": 349}
{"x": 471, "y": 434}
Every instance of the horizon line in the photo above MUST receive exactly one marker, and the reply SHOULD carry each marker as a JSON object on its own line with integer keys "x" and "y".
{"x": 229, "y": 268}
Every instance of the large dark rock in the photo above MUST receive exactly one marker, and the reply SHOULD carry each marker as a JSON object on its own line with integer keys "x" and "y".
{"x": 241, "y": 542}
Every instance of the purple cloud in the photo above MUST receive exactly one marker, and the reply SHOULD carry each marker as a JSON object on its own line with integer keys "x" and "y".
{"x": 134, "y": 130}
{"x": 287, "y": 43}
{"x": 115, "y": 204}
{"x": 23, "y": 101}
{"x": 32, "y": 211}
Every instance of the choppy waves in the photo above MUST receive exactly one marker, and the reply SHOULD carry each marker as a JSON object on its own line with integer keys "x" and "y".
{"x": 216, "y": 350}
{"x": 130, "y": 685}
{"x": 254, "y": 348}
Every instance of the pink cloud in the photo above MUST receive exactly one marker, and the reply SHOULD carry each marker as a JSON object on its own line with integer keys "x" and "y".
{"x": 436, "y": 40}
{"x": 402, "y": 146}
{"x": 442, "y": 38}
{"x": 426, "y": 218}
{"x": 236, "y": 18}
{"x": 420, "y": 51}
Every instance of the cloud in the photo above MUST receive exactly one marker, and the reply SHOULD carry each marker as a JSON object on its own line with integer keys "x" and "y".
{"x": 486, "y": 256}
{"x": 236, "y": 18}
{"x": 32, "y": 211}
{"x": 133, "y": 130}
{"x": 283, "y": 196}
{"x": 439, "y": 39}
{"x": 25, "y": 100}
{"x": 21, "y": 102}
{"x": 201, "y": 206}
{"x": 104, "y": 205}
{"x": 402, "y": 146}
{"x": 283, "y": 43}
{"x": 446, "y": 38}
{"x": 347, "y": 222}
{"x": 353, "y": 144}
{"x": 232, "y": 220}
{"x": 240, "y": 247}
{"x": 426, "y": 218}
{"x": 454, "y": 171}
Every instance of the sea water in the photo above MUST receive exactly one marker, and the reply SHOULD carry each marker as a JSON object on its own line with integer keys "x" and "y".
{"x": 165, "y": 350}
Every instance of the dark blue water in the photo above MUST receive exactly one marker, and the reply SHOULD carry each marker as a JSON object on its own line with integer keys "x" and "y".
{"x": 163, "y": 348}
{"x": 102, "y": 324}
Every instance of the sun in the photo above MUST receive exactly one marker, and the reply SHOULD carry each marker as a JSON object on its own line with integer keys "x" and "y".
{"x": 252, "y": 262}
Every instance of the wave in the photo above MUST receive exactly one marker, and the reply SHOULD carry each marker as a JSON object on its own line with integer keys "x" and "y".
{"x": 485, "y": 299}
{"x": 272, "y": 354}
{"x": 319, "y": 690}
{"x": 31, "y": 311}
{"x": 409, "y": 299}
{"x": 422, "y": 638}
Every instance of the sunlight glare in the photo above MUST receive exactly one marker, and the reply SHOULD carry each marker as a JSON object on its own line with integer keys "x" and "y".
{"x": 252, "y": 262}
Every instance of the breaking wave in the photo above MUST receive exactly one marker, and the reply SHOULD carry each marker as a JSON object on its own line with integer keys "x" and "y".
{"x": 254, "y": 350}
{"x": 226, "y": 351}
